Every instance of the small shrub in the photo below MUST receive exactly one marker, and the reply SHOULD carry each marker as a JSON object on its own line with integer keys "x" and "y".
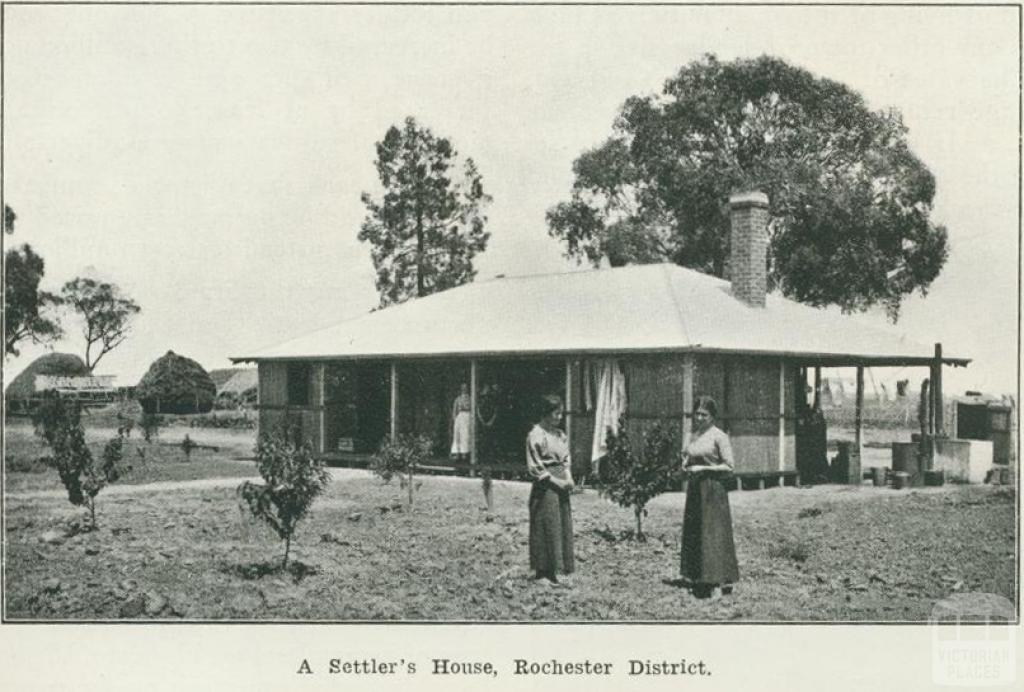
{"x": 808, "y": 512}
{"x": 150, "y": 424}
{"x": 402, "y": 456}
{"x": 488, "y": 488}
{"x": 187, "y": 445}
{"x": 293, "y": 478}
{"x": 59, "y": 423}
{"x": 125, "y": 425}
{"x": 632, "y": 481}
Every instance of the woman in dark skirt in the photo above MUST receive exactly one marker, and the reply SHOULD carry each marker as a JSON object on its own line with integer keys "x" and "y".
{"x": 709, "y": 554}
{"x": 547, "y": 459}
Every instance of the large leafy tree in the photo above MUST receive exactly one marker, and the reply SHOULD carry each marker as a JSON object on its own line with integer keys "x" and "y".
{"x": 105, "y": 312}
{"x": 28, "y": 312}
{"x": 850, "y": 203}
{"x": 429, "y": 224}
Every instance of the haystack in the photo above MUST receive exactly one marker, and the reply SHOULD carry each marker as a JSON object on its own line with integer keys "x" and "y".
{"x": 23, "y": 387}
{"x": 175, "y": 384}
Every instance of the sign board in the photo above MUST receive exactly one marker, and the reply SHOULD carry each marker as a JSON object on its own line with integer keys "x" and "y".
{"x": 346, "y": 444}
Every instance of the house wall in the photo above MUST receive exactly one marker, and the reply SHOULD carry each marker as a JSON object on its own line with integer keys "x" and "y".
{"x": 746, "y": 389}
{"x": 747, "y": 392}
{"x": 276, "y": 414}
{"x": 655, "y": 394}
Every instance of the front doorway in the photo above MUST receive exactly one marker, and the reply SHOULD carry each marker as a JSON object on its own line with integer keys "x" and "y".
{"x": 508, "y": 403}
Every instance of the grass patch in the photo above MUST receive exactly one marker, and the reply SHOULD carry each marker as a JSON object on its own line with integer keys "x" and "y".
{"x": 150, "y": 462}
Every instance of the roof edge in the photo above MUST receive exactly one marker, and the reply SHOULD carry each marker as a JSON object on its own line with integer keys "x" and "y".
{"x": 810, "y": 358}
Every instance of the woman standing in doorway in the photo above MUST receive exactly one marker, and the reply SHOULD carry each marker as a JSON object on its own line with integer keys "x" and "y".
{"x": 708, "y": 557}
{"x": 461, "y": 426}
{"x": 548, "y": 461}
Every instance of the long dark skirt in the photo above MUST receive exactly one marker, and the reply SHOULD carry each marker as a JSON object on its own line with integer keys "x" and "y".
{"x": 550, "y": 530}
{"x": 709, "y": 554}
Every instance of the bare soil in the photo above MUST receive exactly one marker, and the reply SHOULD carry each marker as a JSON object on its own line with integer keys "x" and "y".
{"x": 828, "y": 553}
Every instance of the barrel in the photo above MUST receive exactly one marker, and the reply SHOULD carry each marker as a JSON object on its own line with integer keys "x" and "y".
{"x": 900, "y": 480}
{"x": 905, "y": 457}
{"x": 879, "y": 476}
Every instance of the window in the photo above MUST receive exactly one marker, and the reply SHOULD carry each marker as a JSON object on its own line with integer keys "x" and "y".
{"x": 299, "y": 377}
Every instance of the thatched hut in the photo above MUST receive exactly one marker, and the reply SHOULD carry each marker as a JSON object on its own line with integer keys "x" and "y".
{"x": 176, "y": 384}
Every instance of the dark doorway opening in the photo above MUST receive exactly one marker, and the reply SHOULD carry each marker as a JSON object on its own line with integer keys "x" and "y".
{"x": 357, "y": 401}
{"x": 508, "y": 400}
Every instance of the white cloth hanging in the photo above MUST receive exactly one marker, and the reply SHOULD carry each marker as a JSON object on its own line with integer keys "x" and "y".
{"x": 588, "y": 386}
{"x": 610, "y": 406}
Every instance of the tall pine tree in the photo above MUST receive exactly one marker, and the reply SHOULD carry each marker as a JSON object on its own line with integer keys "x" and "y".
{"x": 429, "y": 224}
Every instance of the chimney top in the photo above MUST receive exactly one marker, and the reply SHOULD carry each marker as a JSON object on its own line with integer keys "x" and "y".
{"x": 752, "y": 198}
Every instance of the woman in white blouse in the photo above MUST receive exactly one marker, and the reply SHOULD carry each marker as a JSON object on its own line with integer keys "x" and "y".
{"x": 461, "y": 425}
{"x": 549, "y": 463}
{"x": 708, "y": 559}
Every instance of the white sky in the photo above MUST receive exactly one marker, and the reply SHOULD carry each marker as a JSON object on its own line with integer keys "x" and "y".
{"x": 209, "y": 160}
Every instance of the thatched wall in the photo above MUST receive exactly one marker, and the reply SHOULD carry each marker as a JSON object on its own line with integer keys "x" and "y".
{"x": 747, "y": 392}
{"x": 746, "y": 388}
{"x": 277, "y": 414}
{"x": 654, "y": 396}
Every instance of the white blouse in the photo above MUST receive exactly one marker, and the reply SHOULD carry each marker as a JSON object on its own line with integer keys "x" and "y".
{"x": 710, "y": 447}
{"x": 547, "y": 454}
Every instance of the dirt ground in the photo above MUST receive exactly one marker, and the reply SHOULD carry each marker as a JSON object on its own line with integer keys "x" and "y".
{"x": 827, "y": 553}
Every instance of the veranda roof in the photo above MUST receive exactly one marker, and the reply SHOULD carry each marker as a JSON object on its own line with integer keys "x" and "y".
{"x": 645, "y": 308}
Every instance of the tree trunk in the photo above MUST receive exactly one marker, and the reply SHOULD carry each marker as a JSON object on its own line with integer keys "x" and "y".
{"x": 419, "y": 255}
{"x": 92, "y": 512}
{"x": 638, "y": 511}
{"x": 408, "y": 478}
{"x": 287, "y": 547}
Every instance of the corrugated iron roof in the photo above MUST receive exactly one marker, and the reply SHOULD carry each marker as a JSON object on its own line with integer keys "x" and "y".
{"x": 659, "y": 307}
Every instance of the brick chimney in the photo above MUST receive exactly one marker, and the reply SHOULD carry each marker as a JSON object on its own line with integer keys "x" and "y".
{"x": 748, "y": 242}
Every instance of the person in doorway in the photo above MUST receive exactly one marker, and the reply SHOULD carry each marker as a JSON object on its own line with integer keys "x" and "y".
{"x": 462, "y": 422}
{"x": 550, "y": 466}
{"x": 708, "y": 559}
